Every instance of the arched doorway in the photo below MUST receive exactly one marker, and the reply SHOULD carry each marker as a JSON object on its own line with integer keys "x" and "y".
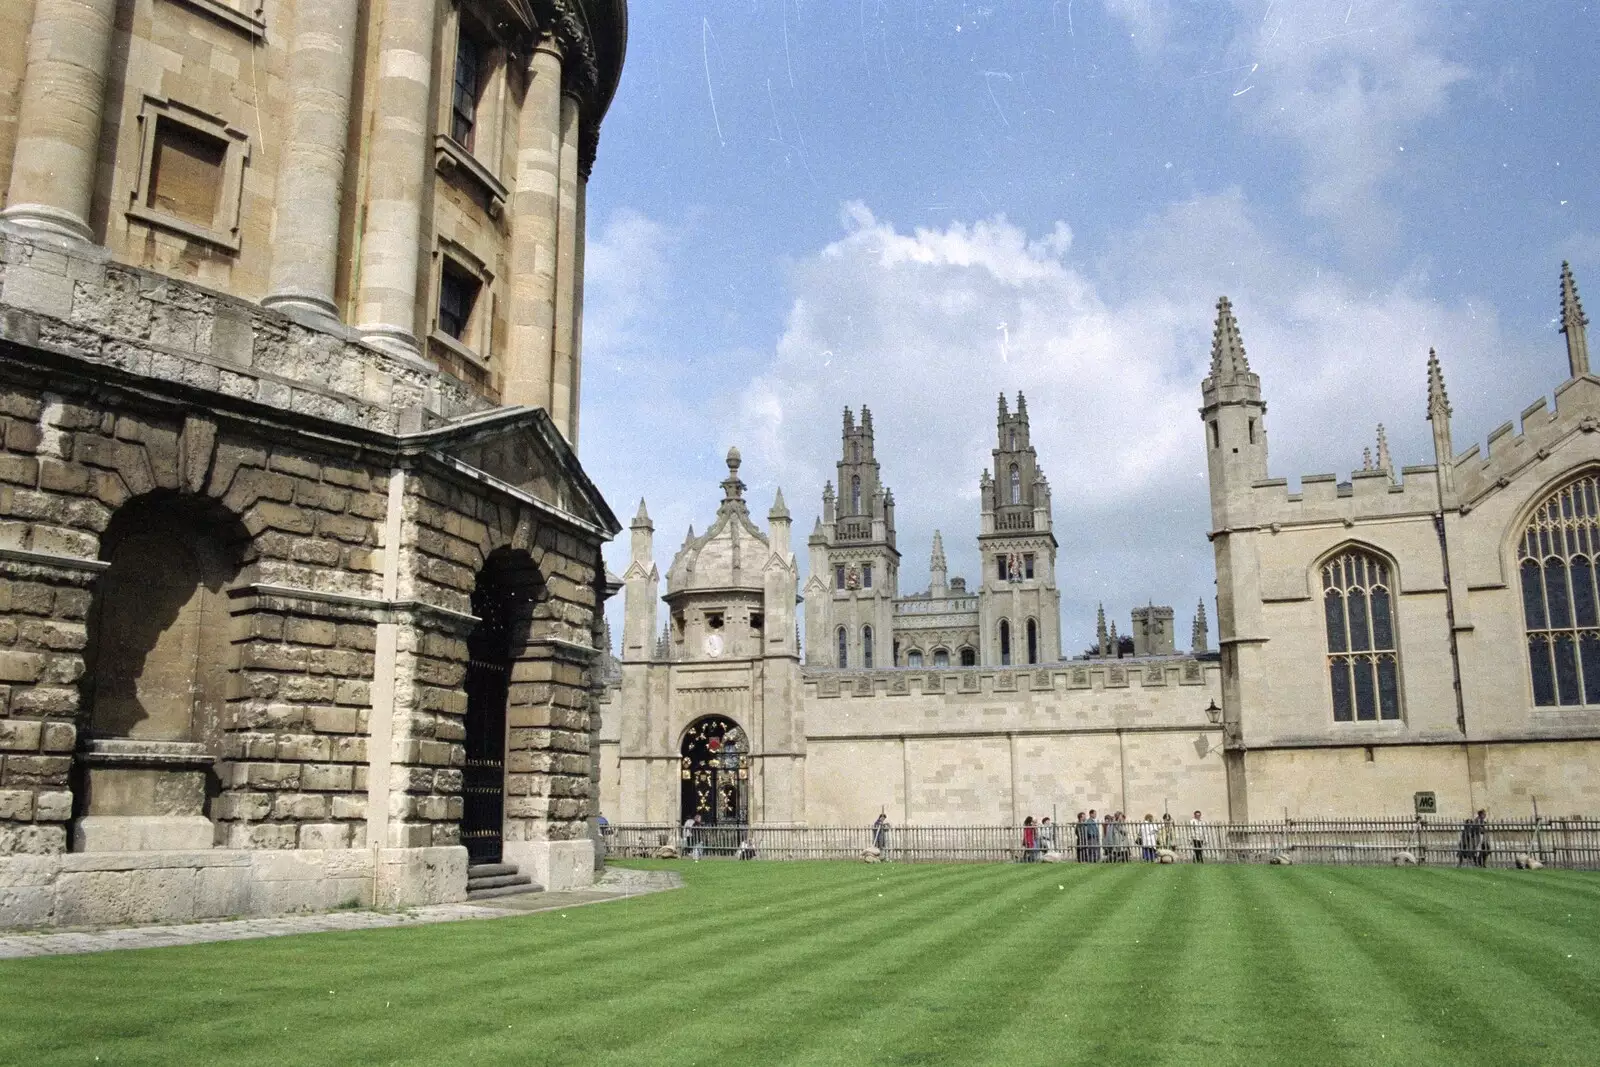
{"x": 490, "y": 650}
{"x": 716, "y": 773}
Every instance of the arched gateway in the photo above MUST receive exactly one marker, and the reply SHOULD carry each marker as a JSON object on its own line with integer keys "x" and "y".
{"x": 716, "y": 772}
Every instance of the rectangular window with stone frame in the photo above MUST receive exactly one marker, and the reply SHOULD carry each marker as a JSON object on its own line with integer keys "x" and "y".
{"x": 471, "y": 53}
{"x": 458, "y": 294}
{"x": 191, "y": 173}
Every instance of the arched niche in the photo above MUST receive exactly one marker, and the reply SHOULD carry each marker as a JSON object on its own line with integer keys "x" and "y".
{"x": 155, "y": 679}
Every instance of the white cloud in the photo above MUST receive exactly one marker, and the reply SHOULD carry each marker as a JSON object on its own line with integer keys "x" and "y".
{"x": 624, "y": 276}
{"x": 1347, "y": 83}
{"x": 909, "y": 323}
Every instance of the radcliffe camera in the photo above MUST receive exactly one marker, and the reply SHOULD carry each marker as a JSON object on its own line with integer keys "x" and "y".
{"x": 577, "y": 532}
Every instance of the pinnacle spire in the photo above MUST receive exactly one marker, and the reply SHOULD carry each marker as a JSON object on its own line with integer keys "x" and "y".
{"x": 779, "y": 509}
{"x": 1101, "y": 641}
{"x": 1198, "y": 634}
{"x": 641, "y": 517}
{"x": 1438, "y": 400}
{"x": 1003, "y": 409}
{"x": 1385, "y": 462}
{"x": 1227, "y": 348}
{"x": 1366, "y": 459}
{"x": 1573, "y": 322}
{"x": 936, "y": 559}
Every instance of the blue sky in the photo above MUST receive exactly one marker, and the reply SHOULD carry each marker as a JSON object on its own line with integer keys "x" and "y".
{"x": 800, "y": 205}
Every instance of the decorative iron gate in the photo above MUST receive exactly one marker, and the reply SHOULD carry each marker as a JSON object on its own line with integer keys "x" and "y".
{"x": 488, "y": 682}
{"x": 716, "y": 773}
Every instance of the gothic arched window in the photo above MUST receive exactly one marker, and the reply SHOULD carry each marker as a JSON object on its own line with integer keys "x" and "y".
{"x": 844, "y": 647}
{"x": 855, "y": 495}
{"x": 1557, "y": 559}
{"x": 1033, "y": 641}
{"x": 1005, "y": 643}
{"x": 914, "y": 658}
{"x": 941, "y": 657}
{"x": 969, "y": 657}
{"x": 1363, "y": 662}
{"x": 866, "y": 647}
{"x": 1016, "y": 485}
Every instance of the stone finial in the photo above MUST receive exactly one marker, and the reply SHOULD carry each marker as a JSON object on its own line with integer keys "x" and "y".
{"x": 866, "y": 420}
{"x": 1003, "y": 411}
{"x": 1022, "y": 406}
{"x": 1385, "y": 462}
{"x": 816, "y": 529}
{"x": 1438, "y": 399}
{"x": 641, "y": 517}
{"x": 664, "y": 642}
{"x": 1573, "y": 323}
{"x": 849, "y": 421}
{"x": 779, "y": 510}
{"x": 1366, "y": 459}
{"x": 1198, "y": 636}
{"x": 732, "y": 487}
{"x": 690, "y": 535}
{"x": 1227, "y": 347}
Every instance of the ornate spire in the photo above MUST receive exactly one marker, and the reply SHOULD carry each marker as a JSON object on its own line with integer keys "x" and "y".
{"x": 1385, "y": 462}
{"x": 936, "y": 559}
{"x": 1116, "y": 643}
{"x": 1198, "y": 635}
{"x": 641, "y": 517}
{"x": 732, "y": 487}
{"x": 1100, "y": 638}
{"x": 1573, "y": 323}
{"x": 1227, "y": 348}
{"x": 1438, "y": 400}
{"x": 779, "y": 510}
{"x": 849, "y": 421}
{"x": 1022, "y": 404}
{"x": 664, "y": 642}
{"x": 866, "y": 420}
{"x": 1366, "y": 459}
{"x": 1003, "y": 411}
{"x": 690, "y": 535}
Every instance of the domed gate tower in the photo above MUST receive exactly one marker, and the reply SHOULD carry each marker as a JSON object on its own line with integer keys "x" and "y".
{"x": 716, "y": 773}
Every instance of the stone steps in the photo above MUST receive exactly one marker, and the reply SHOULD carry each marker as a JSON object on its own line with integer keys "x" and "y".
{"x": 485, "y": 880}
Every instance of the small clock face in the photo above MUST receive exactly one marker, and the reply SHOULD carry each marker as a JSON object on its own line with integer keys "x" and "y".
{"x": 713, "y": 644}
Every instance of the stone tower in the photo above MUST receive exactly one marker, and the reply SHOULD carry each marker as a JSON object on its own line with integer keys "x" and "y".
{"x": 1152, "y": 631}
{"x": 1233, "y": 413}
{"x": 641, "y": 586}
{"x": 1019, "y": 607}
{"x": 855, "y": 566}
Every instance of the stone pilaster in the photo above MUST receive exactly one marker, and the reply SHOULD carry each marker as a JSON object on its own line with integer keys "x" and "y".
{"x": 399, "y": 155}
{"x": 63, "y": 98}
{"x": 534, "y": 233}
{"x": 564, "y": 384}
{"x": 305, "y": 230}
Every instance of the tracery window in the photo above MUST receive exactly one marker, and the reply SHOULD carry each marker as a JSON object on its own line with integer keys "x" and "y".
{"x": 1363, "y": 662}
{"x": 1016, "y": 485}
{"x": 866, "y": 647}
{"x": 855, "y": 495}
{"x": 844, "y": 647}
{"x": 1005, "y": 643}
{"x": 1557, "y": 560}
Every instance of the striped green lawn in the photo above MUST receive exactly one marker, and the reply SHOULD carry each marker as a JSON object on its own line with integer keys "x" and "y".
{"x": 821, "y": 963}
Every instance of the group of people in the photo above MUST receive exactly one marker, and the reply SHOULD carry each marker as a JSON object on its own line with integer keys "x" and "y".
{"x": 1110, "y": 839}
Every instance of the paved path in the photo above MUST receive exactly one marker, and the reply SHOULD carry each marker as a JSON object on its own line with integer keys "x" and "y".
{"x": 614, "y": 884}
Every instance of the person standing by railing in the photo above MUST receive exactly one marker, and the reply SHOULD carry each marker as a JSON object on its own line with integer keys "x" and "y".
{"x": 1030, "y": 840}
{"x": 880, "y": 834}
{"x": 1082, "y": 853}
{"x": 1091, "y": 838}
{"x": 1047, "y": 835}
{"x": 1147, "y": 837}
{"x": 1197, "y": 837}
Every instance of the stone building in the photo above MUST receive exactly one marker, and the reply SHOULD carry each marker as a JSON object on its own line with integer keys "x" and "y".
{"x": 1421, "y": 637}
{"x": 921, "y": 706}
{"x": 855, "y": 615}
{"x": 299, "y": 570}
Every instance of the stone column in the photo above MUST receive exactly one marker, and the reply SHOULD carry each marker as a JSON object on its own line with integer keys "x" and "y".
{"x": 582, "y": 236}
{"x": 58, "y": 135}
{"x": 399, "y": 156}
{"x": 534, "y": 232}
{"x": 563, "y": 385}
{"x": 305, "y": 228}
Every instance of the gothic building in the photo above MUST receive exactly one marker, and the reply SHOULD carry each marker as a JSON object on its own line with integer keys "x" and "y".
{"x": 855, "y": 616}
{"x": 300, "y": 573}
{"x": 1423, "y": 637}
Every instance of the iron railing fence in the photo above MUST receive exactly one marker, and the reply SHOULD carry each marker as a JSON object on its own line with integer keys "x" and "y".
{"x": 1554, "y": 842}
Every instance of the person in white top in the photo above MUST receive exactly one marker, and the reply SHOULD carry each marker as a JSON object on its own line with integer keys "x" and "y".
{"x": 1197, "y": 837}
{"x": 1147, "y": 837}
